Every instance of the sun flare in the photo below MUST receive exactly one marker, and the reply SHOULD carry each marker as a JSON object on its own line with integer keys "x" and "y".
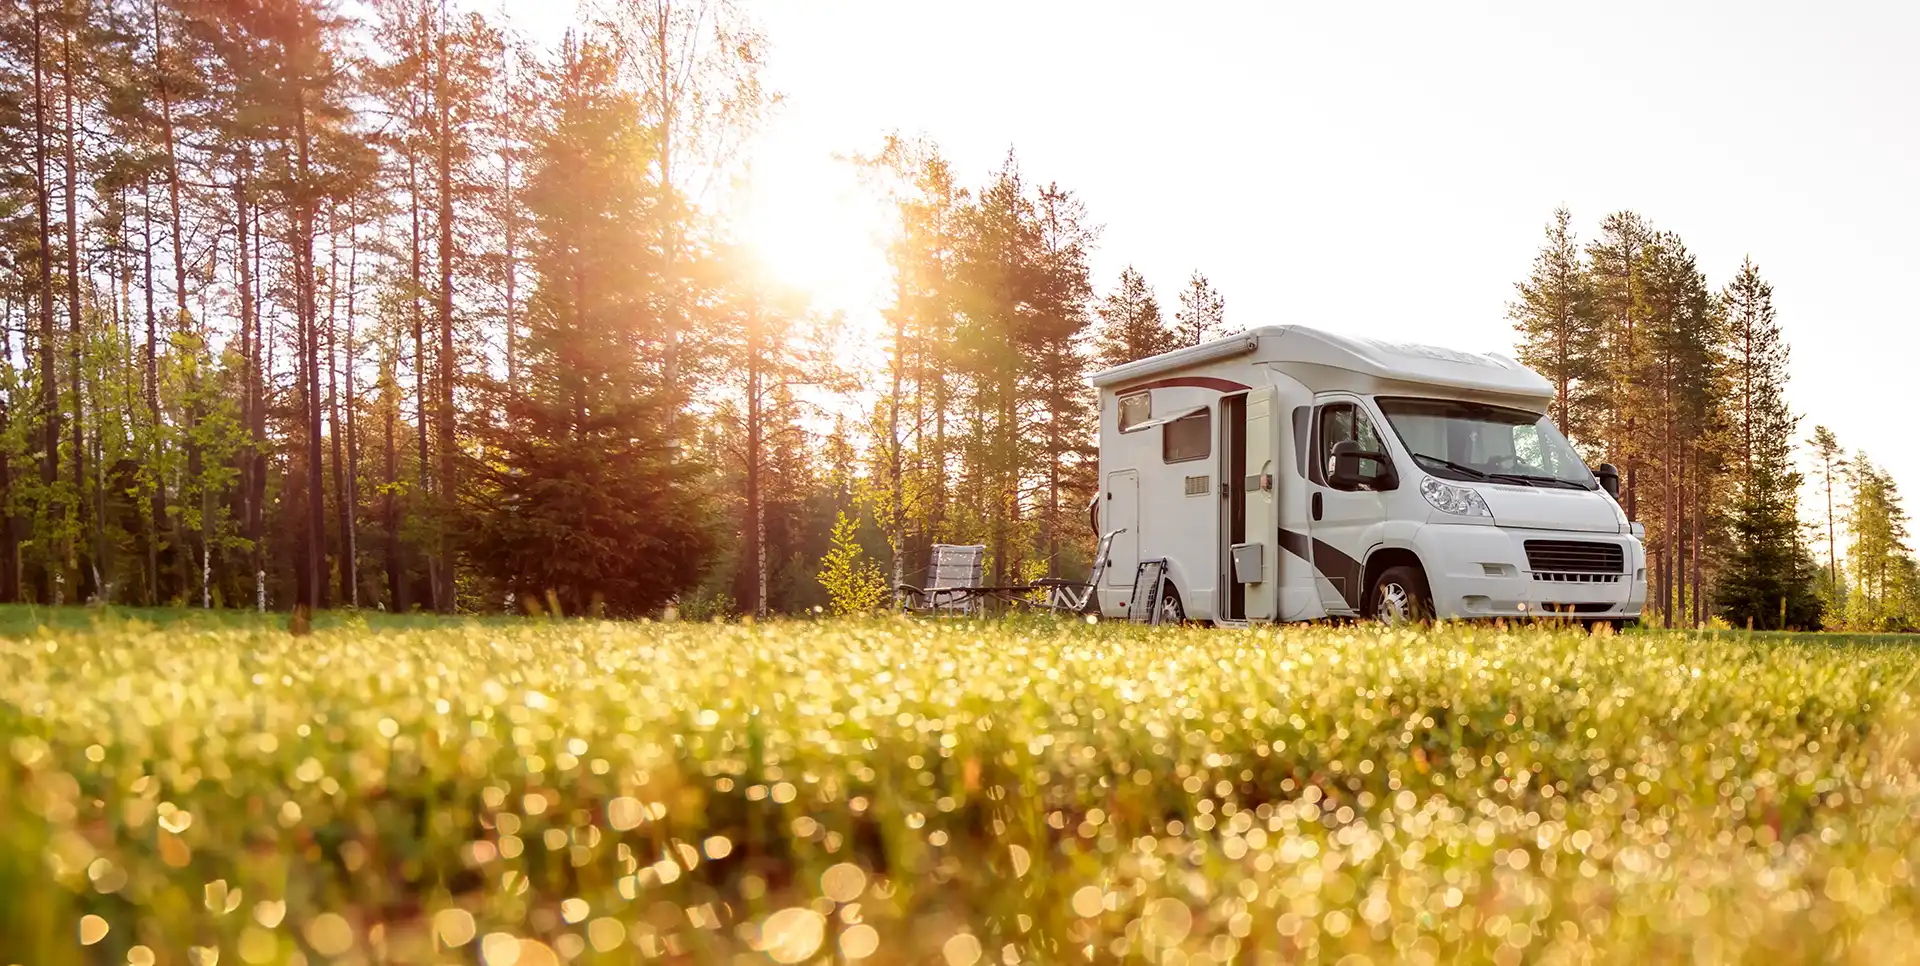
{"x": 808, "y": 219}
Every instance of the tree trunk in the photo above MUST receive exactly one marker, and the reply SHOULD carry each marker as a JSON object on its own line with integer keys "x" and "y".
{"x": 1699, "y": 598}
{"x": 396, "y": 576}
{"x": 420, "y": 372}
{"x": 49, "y": 377}
{"x": 350, "y": 497}
{"x": 343, "y": 565}
{"x": 756, "y": 510}
{"x": 1669, "y": 498}
{"x": 150, "y": 379}
{"x": 508, "y": 220}
{"x": 896, "y": 523}
{"x": 178, "y": 243}
{"x": 77, "y": 341}
{"x": 1833, "y": 567}
{"x": 448, "y": 484}
{"x": 670, "y": 372}
{"x": 253, "y": 456}
{"x": 9, "y": 534}
{"x": 314, "y": 588}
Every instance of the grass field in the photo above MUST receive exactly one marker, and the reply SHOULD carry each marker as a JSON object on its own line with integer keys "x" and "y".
{"x": 210, "y": 790}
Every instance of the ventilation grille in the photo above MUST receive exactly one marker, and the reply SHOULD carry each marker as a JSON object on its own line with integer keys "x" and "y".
{"x": 1575, "y": 556}
{"x": 1198, "y": 485}
{"x": 1596, "y": 607}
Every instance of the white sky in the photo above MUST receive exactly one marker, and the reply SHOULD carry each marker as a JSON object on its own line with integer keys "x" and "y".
{"x": 1389, "y": 173}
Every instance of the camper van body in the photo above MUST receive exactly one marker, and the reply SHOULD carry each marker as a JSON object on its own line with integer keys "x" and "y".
{"x": 1218, "y": 459}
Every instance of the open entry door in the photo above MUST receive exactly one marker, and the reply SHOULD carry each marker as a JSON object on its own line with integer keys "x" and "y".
{"x": 1259, "y": 555}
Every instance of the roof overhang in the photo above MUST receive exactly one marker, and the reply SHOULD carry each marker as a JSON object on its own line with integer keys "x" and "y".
{"x": 1238, "y": 345}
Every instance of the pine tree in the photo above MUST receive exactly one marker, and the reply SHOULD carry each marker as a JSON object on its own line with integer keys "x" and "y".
{"x": 1203, "y": 312}
{"x": 1560, "y": 334}
{"x": 1057, "y": 377}
{"x": 589, "y": 502}
{"x": 767, "y": 349}
{"x": 999, "y": 241}
{"x": 910, "y": 484}
{"x": 1767, "y": 580}
{"x": 1615, "y": 260}
{"x": 1832, "y": 461}
{"x": 1131, "y": 327}
{"x": 1677, "y": 420}
{"x": 1878, "y": 558}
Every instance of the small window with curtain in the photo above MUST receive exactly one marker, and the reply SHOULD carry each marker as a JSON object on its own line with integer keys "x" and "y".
{"x": 1135, "y": 409}
{"x": 1187, "y": 438}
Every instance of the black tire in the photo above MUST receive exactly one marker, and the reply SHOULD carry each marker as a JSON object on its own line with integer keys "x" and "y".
{"x": 1613, "y": 624}
{"x": 1399, "y": 595}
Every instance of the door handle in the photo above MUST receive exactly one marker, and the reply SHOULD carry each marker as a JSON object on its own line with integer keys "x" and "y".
{"x": 1316, "y": 507}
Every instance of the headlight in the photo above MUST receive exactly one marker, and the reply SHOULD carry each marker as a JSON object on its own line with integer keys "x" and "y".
{"x": 1456, "y": 500}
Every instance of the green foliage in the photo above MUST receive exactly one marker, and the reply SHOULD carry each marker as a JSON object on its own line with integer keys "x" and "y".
{"x": 608, "y": 527}
{"x": 555, "y": 789}
{"x": 1767, "y": 580}
{"x": 708, "y": 606}
{"x": 1130, "y": 323}
{"x": 1202, "y": 314}
{"x": 1560, "y": 333}
{"x": 855, "y": 584}
{"x": 586, "y": 497}
{"x": 1884, "y": 585}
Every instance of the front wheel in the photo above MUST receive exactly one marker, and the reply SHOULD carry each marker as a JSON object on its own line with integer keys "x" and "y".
{"x": 1399, "y": 596}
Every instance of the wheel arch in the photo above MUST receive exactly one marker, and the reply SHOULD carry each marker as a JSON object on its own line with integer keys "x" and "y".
{"x": 1383, "y": 558}
{"x": 1175, "y": 578}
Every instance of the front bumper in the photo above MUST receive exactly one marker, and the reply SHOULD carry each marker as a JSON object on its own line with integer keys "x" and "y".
{"x": 1482, "y": 572}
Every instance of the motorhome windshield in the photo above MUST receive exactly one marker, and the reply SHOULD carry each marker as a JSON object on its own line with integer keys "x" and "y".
{"x": 1472, "y": 441}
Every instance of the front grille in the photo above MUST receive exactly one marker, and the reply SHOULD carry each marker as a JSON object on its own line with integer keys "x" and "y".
{"x": 1562, "y": 578}
{"x": 1575, "y": 556}
{"x": 1584, "y": 607}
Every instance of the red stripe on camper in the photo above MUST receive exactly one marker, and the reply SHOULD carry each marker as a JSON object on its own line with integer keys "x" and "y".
{"x": 1187, "y": 382}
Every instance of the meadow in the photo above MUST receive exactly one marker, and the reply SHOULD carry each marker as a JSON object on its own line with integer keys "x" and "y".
{"x": 212, "y": 790}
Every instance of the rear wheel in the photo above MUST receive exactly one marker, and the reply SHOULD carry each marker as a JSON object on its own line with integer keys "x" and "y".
{"x": 1170, "y": 610}
{"x": 1399, "y": 596}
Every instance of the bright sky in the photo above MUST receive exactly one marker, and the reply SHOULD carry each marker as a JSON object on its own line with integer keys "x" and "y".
{"x": 1389, "y": 173}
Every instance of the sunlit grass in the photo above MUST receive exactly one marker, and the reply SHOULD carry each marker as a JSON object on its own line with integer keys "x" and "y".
{"x": 519, "y": 793}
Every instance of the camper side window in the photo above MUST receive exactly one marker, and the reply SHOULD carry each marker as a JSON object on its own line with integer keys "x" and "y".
{"x": 1187, "y": 438}
{"x": 1135, "y": 409}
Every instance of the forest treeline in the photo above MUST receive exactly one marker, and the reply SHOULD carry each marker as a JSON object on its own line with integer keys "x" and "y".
{"x": 399, "y": 310}
{"x": 1682, "y": 386}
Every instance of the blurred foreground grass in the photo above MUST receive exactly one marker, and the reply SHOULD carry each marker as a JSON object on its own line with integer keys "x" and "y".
{"x": 207, "y": 791}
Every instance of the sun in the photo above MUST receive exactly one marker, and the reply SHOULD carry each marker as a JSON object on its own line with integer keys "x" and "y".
{"x": 811, "y": 222}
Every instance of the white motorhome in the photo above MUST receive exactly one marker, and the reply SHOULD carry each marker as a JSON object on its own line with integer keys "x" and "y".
{"x": 1289, "y": 474}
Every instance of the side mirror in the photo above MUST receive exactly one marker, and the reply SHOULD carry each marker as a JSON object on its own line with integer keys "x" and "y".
{"x": 1348, "y": 461}
{"x": 1609, "y": 479}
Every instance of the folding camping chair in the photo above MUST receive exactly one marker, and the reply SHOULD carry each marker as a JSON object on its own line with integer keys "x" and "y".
{"x": 1076, "y": 596}
{"x": 953, "y": 582}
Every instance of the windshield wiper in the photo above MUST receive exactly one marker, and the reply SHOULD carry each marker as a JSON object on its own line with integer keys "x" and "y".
{"x": 1535, "y": 479}
{"x": 1456, "y": 467}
